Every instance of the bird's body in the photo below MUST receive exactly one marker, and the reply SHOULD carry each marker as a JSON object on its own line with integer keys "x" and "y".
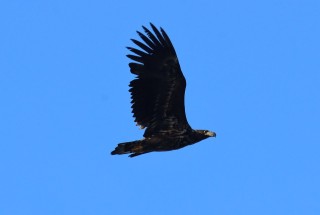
{"x": 158, "y": 98}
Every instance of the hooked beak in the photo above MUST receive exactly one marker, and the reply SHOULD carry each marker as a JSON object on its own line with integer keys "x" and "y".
{"x": 211, "y": 134}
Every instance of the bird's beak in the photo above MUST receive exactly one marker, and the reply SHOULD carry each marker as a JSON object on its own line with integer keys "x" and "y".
{"x": 210, "y": 134}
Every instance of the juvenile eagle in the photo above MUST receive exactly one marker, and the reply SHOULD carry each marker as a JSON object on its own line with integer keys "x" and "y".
{"x": 158, "y": 97}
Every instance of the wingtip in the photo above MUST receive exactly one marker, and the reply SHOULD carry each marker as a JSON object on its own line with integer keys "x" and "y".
{"x": 152, "y": 25}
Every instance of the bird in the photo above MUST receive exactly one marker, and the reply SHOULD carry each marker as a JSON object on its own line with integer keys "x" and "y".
{"x": 157, "y": 97}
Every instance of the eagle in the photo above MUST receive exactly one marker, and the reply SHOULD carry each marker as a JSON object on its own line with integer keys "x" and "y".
{"x": 157, "y": 97}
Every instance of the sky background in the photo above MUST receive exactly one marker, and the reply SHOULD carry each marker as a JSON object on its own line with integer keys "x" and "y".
{"x": 253, "y": 77}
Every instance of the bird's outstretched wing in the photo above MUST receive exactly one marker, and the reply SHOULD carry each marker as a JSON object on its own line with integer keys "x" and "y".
{"x": 158, "y": 91}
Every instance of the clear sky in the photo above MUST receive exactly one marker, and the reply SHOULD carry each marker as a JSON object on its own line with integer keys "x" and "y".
{"x": 253, "y": 77}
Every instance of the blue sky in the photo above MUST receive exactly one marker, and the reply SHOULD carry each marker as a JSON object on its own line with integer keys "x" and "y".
{"x": 253, "y": 77}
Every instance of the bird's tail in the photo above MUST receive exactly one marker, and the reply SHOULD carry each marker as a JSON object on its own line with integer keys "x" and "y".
{"x": 134, "y": 148}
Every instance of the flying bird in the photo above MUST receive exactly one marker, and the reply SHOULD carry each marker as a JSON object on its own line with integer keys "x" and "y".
{"x": 157, "y": 95}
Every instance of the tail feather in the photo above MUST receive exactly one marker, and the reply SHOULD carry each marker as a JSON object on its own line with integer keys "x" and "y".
{"x": 134, "y": 147}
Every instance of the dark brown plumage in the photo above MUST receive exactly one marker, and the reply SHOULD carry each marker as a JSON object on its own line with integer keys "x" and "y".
{"x": 158, "y": 97}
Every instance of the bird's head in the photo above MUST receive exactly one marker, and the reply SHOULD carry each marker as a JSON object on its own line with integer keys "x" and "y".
{"x": 205, "y": 133}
